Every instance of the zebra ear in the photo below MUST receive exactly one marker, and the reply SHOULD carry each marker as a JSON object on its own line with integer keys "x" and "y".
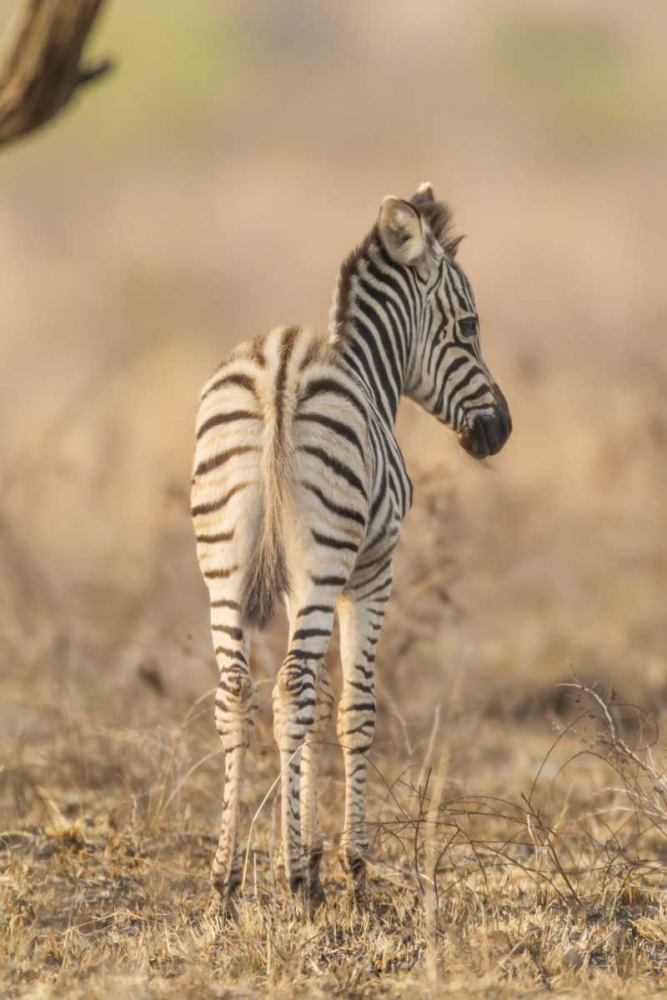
{"x": 401, "y": 231}
{"x": 424, "y": 193}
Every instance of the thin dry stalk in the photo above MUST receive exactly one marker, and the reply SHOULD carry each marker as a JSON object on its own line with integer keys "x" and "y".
{"x": 432, "y": 857}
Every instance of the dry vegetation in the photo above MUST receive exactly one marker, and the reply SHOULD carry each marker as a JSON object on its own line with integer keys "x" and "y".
{"x": 561, "y": 887}
{"x": 519, "y": 796}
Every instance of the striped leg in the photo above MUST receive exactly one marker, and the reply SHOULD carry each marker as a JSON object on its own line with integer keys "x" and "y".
{"x": 294, "y": 707}
{"x": 360, "y": 622}
{"x": 235, "y": 705}
{"x": 310, "y": 831}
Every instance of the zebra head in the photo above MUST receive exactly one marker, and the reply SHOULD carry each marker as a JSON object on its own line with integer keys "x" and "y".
{"x": 446, "y": 372}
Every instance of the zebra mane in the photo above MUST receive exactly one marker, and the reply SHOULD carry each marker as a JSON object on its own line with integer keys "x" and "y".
{"x": 438, "y": 217}
{"x": 343, "y": 291}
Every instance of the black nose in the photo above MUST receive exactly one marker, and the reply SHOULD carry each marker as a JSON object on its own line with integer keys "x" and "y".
{"x": 488, "y": 432}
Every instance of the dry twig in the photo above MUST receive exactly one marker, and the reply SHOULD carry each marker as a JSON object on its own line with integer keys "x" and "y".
{"x": 42, "y": 68}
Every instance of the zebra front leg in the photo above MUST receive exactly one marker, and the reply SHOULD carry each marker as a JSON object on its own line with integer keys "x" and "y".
{"x": 235, "y": 706}
{"x": 294, "y": 707}
{"x": 360, "y": 622}
{"x": 312, "y": 751}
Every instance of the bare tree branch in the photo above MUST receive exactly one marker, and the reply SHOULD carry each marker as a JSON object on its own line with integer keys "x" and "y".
{"x": 41, "y": 70}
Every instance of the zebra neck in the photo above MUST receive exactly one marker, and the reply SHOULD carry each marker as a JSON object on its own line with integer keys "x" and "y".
{"x": 364, "y": 352}
{"x": 373, "y": 333}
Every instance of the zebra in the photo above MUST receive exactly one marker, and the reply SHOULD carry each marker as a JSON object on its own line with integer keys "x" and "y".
{"x": 298, "y": 493}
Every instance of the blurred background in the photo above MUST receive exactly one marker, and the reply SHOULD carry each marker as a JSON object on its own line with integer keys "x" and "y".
{"x": 208, "y": 190}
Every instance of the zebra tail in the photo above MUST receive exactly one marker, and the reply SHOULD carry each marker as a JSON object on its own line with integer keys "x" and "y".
{"x": 267, "y": 578}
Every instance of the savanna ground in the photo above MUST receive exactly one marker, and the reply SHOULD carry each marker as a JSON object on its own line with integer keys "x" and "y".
{"x": 207, "y": 191}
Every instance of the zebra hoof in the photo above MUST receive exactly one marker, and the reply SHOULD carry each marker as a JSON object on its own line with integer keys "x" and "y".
{"x": 226, "y": 889}
{"x": 316, "y": 895}
{"x": 354, "y": 866}
{"x": 298, "y": 885}
{"x": 308, "y": 892}
{"x": 226, "y": 906}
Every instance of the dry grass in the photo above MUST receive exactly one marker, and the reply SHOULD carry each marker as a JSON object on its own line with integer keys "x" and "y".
{"x": 560, "y": 889}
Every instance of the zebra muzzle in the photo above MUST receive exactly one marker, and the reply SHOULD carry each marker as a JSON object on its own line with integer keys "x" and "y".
{"x": 487, "y": 433}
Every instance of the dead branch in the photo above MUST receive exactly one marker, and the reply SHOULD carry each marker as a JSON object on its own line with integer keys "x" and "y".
{"x": 41, "y": 70}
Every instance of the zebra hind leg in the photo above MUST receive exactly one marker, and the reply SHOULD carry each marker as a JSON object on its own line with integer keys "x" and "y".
{"x": 295, "y": 713}
{"x": 360, "y": 622}
{"x": 312, "y": 751}
{"x": 235, "y": 707}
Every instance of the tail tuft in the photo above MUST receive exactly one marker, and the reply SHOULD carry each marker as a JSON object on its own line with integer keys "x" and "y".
{"x": 266, "y": 582}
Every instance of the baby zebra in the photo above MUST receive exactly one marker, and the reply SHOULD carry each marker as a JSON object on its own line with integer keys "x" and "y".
{"x": 299, "y": 491}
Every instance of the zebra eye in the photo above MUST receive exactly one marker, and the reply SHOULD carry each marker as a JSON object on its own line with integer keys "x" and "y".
{"x": 468, "y": 326}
